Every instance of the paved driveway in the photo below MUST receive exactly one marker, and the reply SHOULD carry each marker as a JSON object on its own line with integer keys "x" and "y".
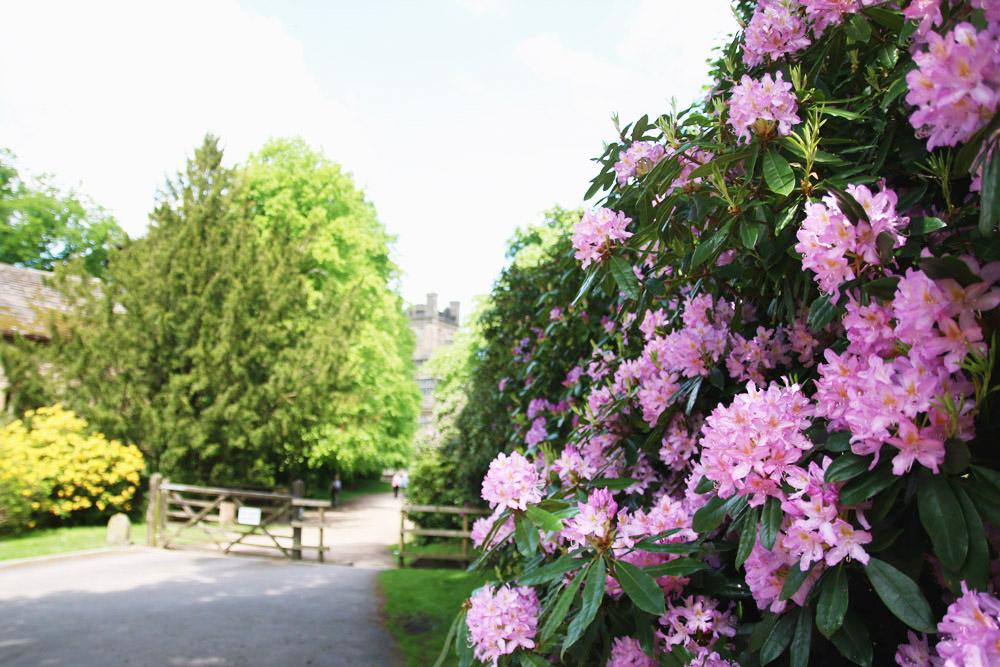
{"x": 153, "y": 607}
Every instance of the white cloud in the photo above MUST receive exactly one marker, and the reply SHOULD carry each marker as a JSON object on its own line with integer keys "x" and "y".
{"x": 117, "y": 93}
{"x": 468, "y": 84}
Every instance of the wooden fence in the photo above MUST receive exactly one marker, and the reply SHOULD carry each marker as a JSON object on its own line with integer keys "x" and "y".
{"x": 183, "y": 515}
{"x": 464, "y": 534}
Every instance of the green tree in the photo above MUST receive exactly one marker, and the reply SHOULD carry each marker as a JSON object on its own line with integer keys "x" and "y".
{"x": 206, "y": 345}
{"x": 295, "y": 191}
{"x": 41, "y": 226}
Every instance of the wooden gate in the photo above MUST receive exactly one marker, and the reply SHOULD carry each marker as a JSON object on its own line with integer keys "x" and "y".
{"x": 232, "y": 520}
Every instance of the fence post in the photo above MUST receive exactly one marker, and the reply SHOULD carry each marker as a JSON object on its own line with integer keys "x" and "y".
{"x": 161, "y": 509}
{"x": 465, "y": 540}
{"x": 298, "y": 490}
{"x": 154, "y": 494}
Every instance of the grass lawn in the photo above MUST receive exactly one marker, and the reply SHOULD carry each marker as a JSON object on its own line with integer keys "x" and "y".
{"x": 420, "y": 606}
{"x": 442, "y": 547}
{"x": 363, "y": 487}
{"x": 45, "y": 541}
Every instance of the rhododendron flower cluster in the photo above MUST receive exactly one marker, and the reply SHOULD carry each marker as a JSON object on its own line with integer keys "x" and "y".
{"x": 762, "y": 107}
{"x": 775, "y": 30}
{"x": 482, "y": 527}
{"x": 512, "y": 481}
{"x": 834, "y": 248}
{"x": 595, "y": 519}
{"x": 751, "y": 446}
{"x": 969, "y": 635}
{"x": 627, "y": 652}
{"x": 597, "y": 232}
{"x": 696, "y": 623}
{"x": 956, "y": 87}
{"x": 638, "y": 159}
{"x": 501, "y": 620}
{"x": 824, "y": 13}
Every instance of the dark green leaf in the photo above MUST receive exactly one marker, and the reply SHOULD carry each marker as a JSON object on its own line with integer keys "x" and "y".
{"x": 560, "y": 609}
{"x": 543, "y": 519}
{"x": 841, "y": 113}
{"x": 770, "y": 522}
{"x": 867, "y": 485}
{"x": 679, "y": 567}
{"x": 719, "y": 161}
{"x": 593, "y": 593}
{"x": 761, "y": 631}
{"x": 794, "y": 580}
{"x": 463, "y": 645}
{"x": 883, "y": 288}
{"x": 613, "y": 483}
{"x": 901, "y": 595}
{"x": 989, "y": 211}
{"x": 533, "y": 660}
{"x": 748, "y": 536}
{"x": 644, "y": 633}
{"x": 821, "y": 312}
{"x": 890, "y": 19}
{"x": 525, "y": 536}
{"x": 948, "y": 267}
{"x": 838, "y": 442}
{"x": 777, "y": 641}
{"x": 777, "y": 173}
{"x": 802, "y": 640}
{"x": 625, "y": 277}
{"x": 832, "y": 603}
{"x": 939, "y": 509}
{"x": 553, "y": 505}
{"x": 858, "y": 29}
{"x": 550, "y": 572}
{"x": 704, "y": 486}
{"x": 707, "y": 247}
{"x": 854, "y": 641}
{"x": 640, "y": 588}
{"x": 712, "y": 514}
{"x": 956, "y": 456}
{"x": 920, "y": 226}
{"x": 976, "y": 569}
{"x": 749, "y": 233}
{"x": 593, "y": 276}
{"x": 847, "y": 466}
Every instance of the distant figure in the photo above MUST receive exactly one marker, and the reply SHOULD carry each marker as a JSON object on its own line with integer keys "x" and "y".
{"x": 405, "y": 482}
{"x": 335, "y": 487}
{"x": 397, "y": 479}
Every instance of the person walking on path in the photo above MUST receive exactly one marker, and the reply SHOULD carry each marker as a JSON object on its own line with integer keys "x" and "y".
{"x": 404, "y": 481}
{"x": 397, "y": 480}
{"x": 335, "y": 487}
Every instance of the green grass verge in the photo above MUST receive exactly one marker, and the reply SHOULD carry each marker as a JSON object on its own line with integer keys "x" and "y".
{"x": 442, "y": 547}
{"x": 420, "y": 606}
{"x": 46, "y": 541}
{"x": 363, "y": 487}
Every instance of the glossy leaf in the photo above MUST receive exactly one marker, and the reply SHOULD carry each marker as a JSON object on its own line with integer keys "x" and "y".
{"x": 550, "y": 572}
{"x": 777, "y": 173}
{"x": 779, "y": 638}
{"x": 846, "y": 467}
{"x": 794, "y": 580}
{"x": 640, "y": 588}
{"x": 544, "y": 520}
{"x": 624, "y": 276}
{"x": 941, "y": 515}
{"x": 901, "y": 595}
{"x": 867, "y": 485}
{"x": 770, "y": 522}
{"x": 593, "y": 594}
{"x": 679, "y": 567}
{"x": 802, "y": 639}
{"x": 832, "y": 603}
{"x": 560, "y": 609}
{"x": 853, "y": 640}
{"x": 525, "y": 536}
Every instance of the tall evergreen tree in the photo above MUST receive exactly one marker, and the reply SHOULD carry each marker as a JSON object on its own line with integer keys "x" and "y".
{"x": 205, "y": 344}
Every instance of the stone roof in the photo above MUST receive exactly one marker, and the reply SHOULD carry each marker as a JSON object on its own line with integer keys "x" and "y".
{"x": 27, "y": 302}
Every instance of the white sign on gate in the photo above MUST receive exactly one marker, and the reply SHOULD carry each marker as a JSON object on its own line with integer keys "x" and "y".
{"x": 248, "y": 516}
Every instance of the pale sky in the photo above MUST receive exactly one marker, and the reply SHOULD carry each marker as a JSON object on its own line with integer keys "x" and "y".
{"x": 460, "y": 119}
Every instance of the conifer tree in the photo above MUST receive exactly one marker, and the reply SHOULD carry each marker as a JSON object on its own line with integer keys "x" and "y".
{"x": 205, "y": 344}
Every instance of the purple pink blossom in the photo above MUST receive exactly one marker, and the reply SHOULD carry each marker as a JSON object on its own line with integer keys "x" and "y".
{"x": 502, "y": 620}
{"x": 512, "y": 481}
{"x": 637, "y": 160}
{"x": 956, "y": 86}
{"x": 775, "y": 30}
{"x": 762, "y": 107}
{"x": 597, "y": 232}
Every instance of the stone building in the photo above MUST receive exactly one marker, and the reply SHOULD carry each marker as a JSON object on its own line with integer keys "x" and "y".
{"x": 434, "y": 329}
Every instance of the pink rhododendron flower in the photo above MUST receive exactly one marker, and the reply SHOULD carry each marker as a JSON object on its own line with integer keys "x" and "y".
{"x": 775, "y": 30}
{"x": 762, "y": 107}
{"x": 750, "y": 446}
{"x": 627, "y": 652}
{"x": 638, "y": 159}
{"x": 536, "y": 433}
{"x": 595, "y": 519}
{"x": 970, "y": 631}
{"x": 824, "y": 13}
{"x": 696, "y": 623}
{"x": 956, "y": 87}
{"x": 481, "y": 529}
{"x": 597, "y": 232}
{"x": 502, "y": 620}
{"x": 512, "y": 481}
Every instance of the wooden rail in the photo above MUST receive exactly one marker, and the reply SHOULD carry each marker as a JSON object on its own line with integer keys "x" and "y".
{"x": 215, "y": 517}
{"x": 464, "y": 534}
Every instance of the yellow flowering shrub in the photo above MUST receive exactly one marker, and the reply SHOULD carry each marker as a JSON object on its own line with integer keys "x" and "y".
{"x": 63, "y": 470}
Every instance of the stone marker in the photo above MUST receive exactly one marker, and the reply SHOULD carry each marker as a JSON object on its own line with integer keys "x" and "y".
{"x": 119, "y": 528}
{"x": 227, "y": 512}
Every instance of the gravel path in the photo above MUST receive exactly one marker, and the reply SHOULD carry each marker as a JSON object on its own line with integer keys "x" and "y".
{"x": 155, "y": 607}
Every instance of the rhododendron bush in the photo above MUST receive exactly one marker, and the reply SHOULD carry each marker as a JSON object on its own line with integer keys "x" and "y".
{"x": 778, "y": 445}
